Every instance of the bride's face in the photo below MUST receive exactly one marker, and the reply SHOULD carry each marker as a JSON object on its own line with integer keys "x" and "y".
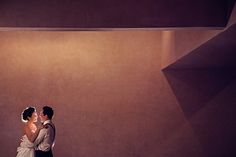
{"x": 34, "y": 117}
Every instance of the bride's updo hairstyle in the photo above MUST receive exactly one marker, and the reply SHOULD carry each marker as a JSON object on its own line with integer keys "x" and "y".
{"x": 27, "y": 113}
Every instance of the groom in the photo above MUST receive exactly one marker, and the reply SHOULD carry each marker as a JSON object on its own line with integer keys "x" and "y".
{"x": 45, "y": 140}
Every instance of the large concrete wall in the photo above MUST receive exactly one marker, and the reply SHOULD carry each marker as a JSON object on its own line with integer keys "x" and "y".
{"x": 107, "y": 88}
{"x": 111, "y": 97}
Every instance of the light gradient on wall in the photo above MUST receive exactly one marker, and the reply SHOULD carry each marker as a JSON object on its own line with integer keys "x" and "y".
{"x": 107, "y": 88}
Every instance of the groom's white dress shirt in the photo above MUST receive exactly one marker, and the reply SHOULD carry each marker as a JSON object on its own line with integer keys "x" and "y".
{"x": 45, "y": 139}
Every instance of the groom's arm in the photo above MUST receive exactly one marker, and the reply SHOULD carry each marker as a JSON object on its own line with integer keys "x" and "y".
{"x": 40, "y": 137}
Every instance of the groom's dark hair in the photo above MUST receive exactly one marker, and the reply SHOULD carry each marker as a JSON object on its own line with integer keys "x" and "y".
{"x": 48, "y": 111}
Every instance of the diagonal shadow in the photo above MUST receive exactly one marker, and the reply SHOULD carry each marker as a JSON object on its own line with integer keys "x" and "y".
{"x": 214, "y": 125}
{"x": 204, "y": 84}
{"x": 195, "y": 88}
{"x": 218, "y": 52}
{"x": 199, "y": 76}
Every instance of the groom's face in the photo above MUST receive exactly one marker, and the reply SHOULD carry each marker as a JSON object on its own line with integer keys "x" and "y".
{"x": 42, "y": 117}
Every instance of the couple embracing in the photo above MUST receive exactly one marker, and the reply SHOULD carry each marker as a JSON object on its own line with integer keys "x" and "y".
{"x": 38, "y": 140}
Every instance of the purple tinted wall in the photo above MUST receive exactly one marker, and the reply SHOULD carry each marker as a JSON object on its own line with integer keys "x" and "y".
{"x": 111, "y": 97}
{"x": 107, "y": 88}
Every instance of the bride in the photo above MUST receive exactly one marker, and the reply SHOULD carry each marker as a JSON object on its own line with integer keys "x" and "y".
{"x": 31, "y": 131}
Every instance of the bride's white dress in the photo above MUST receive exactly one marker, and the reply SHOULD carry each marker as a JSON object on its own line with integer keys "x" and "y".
{"x": 26, "y": 148}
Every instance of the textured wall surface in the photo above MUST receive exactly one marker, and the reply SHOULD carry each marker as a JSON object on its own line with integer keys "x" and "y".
{"x": 111, "y": 97}
{"x": 107, "y": 89}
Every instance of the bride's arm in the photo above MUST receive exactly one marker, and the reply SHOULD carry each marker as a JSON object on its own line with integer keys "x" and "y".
{"x": 30, "y": 135}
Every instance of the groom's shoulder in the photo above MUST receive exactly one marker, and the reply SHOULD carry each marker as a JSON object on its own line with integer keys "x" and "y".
{"x": 49, "y": 125}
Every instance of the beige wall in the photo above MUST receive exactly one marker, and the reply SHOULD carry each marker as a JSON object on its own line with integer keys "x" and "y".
{"x": 107, "y": 88}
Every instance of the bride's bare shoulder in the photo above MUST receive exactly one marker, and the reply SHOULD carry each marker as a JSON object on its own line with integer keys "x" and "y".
{"x": 33, "y": 127}
{"x": 28, "y": 127}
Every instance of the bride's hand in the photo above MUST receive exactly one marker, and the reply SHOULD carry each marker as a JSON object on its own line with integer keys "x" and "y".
{"x": 40, "y": 126}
